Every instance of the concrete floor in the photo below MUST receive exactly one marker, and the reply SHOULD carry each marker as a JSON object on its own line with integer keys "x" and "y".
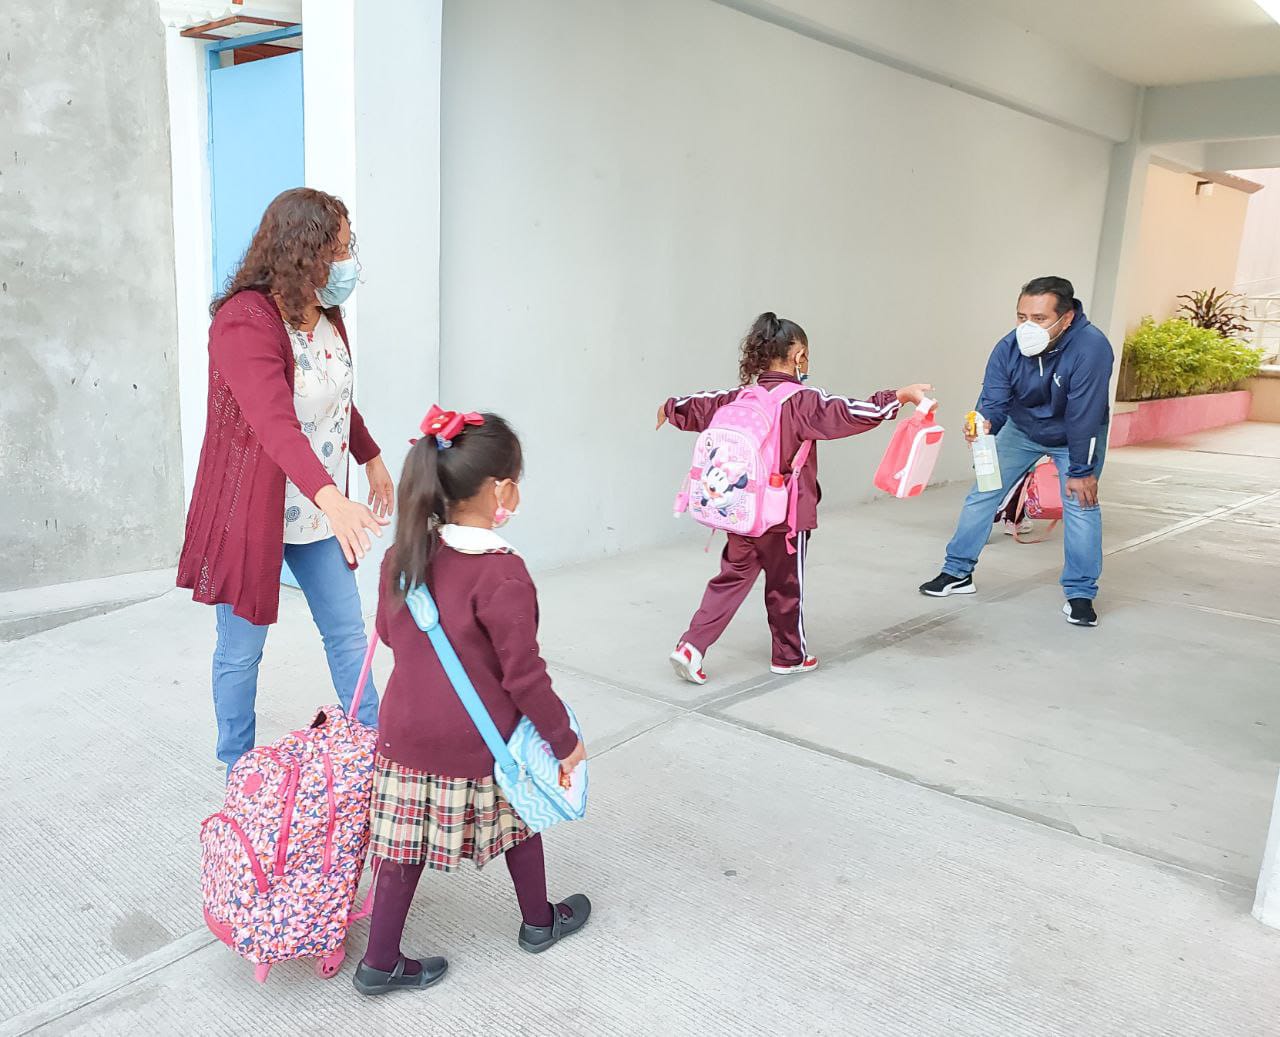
{"x": 974, "y": 819}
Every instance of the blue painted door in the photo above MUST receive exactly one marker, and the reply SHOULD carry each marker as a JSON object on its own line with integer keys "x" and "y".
{"x": 255, "y": 149}
{"x": 255, "y": 152}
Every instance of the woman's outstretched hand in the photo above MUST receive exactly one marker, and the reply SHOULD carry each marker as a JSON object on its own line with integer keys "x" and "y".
{"x": 662, "y": 416}
{"x": 382, "y": 491}
{"x": 350, "y": 521}
{"x": 914, "y": 393}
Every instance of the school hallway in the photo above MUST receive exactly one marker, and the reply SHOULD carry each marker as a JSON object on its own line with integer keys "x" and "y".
{"x": 974, "y": 819}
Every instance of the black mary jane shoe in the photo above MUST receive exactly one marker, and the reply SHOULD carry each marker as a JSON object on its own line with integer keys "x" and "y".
{"x": 537, "y": 938}
{"x": 370, "y": 981}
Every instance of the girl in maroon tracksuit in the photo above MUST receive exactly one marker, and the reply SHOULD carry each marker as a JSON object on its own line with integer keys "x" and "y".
{"x": 775, "y": 352}
{"x": 435, "y": 801}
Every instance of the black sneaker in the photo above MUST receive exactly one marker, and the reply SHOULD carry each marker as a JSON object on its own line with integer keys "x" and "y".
{"x": 567, "y": 918}
{"x": 1079, "y": 611}
{"x": 370, "y": 981}
{"x": 944, "y": 584}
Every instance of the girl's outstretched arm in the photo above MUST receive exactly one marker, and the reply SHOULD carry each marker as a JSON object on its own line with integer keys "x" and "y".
{"x": 694, "y": 413}
{"x": 818, "y": 415}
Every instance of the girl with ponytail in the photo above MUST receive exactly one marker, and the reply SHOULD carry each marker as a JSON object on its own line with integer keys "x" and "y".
{"x": 435, "y": 801}
{"x": 774, "y": 354}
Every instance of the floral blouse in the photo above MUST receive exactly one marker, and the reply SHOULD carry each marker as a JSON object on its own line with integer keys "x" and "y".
{"x": 322, "y": 383}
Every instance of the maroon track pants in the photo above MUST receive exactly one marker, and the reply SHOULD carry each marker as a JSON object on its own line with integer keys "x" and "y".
{"x": 743, "y": 560}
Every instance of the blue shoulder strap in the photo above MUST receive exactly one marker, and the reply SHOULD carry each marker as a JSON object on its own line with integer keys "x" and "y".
{"x": 425, "y": 613}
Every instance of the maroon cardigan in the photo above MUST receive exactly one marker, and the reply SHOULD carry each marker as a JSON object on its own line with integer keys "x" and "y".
{"x": 234, "y": 545}
{"x": 811, "y": 414}
{"x": 489, "y": 610}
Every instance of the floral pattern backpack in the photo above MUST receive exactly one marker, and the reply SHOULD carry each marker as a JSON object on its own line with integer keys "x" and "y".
{"x": 281, "y": 861}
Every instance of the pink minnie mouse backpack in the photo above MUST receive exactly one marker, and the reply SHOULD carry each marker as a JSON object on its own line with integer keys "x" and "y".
{"x": 735, "y": 482}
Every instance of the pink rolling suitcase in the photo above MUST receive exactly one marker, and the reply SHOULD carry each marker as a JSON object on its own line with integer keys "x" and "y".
{"x": 913, "y": 451}
{"x": 281, "y": 861}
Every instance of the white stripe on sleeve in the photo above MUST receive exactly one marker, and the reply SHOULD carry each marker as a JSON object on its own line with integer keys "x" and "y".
{"x": 858, "y": 408}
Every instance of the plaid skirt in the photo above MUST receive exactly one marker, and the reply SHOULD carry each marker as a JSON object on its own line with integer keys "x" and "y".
{"x": 418, "y": 817}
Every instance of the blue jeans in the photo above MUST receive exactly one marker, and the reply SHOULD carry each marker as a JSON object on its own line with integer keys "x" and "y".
{"x": 330, "y": 587}
{"x": 1082, "y": 527}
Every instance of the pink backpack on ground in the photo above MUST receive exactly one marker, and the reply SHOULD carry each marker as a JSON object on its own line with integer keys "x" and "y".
{"x": 281, "y": 861}
{"x": 735, "y": 482}
{"x": 1043, "y": 498}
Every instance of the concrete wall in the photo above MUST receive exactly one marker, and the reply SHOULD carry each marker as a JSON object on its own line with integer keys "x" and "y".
{"x": 624, "y": 186}
{"x": 90, "y": 457}
{"x": 1265, "y": 404}
{"x": 1186, "y": 242}
{"x": 1258, "y": 272}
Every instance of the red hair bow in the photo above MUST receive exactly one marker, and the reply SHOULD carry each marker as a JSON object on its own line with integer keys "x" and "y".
{"x": 446, "y": 425}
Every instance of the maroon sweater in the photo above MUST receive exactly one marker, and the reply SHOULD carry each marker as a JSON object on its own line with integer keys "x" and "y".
{"x": 489, "y": 610}
{"x": 234, "y": 545}
{"x": 810, "y": 415}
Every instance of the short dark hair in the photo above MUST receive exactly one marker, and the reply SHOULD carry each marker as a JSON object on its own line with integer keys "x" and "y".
{"x": 1059, "y": 287}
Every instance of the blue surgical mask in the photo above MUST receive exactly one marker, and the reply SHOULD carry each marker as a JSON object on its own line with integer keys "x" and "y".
{"x": 801, "y": 376}
{"x": 341, "y": 283}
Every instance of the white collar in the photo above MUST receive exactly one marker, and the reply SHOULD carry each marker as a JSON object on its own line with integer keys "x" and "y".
{"x": 472, "y": 540}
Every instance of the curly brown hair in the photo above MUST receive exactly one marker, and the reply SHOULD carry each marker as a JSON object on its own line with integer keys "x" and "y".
{"x": 770, "y": 338}
{"x": 291, "y": 251}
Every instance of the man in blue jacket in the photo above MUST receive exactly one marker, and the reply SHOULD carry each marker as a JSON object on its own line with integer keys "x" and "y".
{"x": 1046, "y": 391}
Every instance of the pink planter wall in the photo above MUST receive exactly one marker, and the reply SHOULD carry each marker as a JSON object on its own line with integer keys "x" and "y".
{"x": 1165, "y": 419}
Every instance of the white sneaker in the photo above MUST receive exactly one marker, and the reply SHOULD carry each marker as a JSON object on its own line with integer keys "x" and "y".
{"x": 687, "y": 662}
{"x": 808, "y": 666}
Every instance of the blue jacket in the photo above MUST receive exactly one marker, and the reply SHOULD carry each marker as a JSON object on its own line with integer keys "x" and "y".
{"x": 1059, "y": 398}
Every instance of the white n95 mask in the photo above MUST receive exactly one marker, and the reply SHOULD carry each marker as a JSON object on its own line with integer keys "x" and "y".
{"x": 1033, "y": 339}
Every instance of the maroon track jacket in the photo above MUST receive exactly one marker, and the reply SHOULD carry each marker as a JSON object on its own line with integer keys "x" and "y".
{"x": 810, "y": 414}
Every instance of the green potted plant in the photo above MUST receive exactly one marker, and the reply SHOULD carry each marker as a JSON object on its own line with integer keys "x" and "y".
{"x": 1182, "y": 372}
{"x": 1222, "y": 312}
{"x": 1178, "y": 358}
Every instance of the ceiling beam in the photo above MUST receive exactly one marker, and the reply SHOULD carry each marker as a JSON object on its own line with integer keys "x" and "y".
{"x": 1263, "y": 153}
{"x": 964, "y": 49}
{"x": 1230, "y": 109}
{"x": 1180, "y": 158}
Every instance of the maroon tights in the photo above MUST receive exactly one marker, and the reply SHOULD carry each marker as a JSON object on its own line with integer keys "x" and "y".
{"x": 397, "y": 883}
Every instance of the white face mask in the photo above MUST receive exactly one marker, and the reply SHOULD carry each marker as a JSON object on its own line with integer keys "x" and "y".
{"x": 1032, "y": 338}
{"x": 503, "y": 514}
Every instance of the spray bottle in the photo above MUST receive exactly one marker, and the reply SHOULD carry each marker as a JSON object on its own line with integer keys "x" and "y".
{"x": 986, "y": 462}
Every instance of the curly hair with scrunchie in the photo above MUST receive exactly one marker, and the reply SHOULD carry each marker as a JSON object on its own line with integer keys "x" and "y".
{"x": 771, "y": 338}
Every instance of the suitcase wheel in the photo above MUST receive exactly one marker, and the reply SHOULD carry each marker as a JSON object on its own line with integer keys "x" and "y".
{"x": 328, "y": 967}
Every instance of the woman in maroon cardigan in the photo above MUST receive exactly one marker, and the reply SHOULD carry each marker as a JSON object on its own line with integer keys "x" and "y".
{"x": 271, "y": 485}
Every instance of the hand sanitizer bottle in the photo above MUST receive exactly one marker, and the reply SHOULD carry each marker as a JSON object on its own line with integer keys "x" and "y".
{"x": 986, "y": 462}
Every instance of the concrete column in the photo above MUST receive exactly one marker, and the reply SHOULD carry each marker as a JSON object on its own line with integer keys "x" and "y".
{"x": 193, "y": 267}
{"x": 1266, "y": 903}
{"x": 329, "y": 124}
{"x": 1117, "y": 246}
{"x": 372, "y": 82}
